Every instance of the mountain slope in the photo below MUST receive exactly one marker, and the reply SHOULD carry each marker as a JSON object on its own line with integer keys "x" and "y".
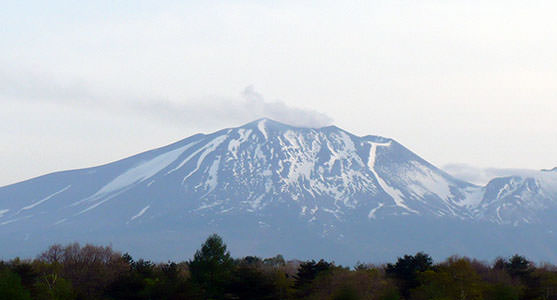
{"x": 520, "y": 199}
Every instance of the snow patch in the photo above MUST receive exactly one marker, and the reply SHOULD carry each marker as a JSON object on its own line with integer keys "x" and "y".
{"x": 210, "y": 205}
{"x": 261, "y": 127}
{"x": 143, "y": 171}
{"x": 348, "y": 143}
{"x": 548, "y": 180}
{"x": 9, "y": 221}
{"x": 263, "y": 224}
{"x": 43, "y": 200}
{"x": 473, "y": 198}
{"x": 430, "y": 180}
{"x": 300, "y": 169}
{"x": 15, "y": 220}
{"x": 212, "y": 177}
{"x": 256, "y": 204}
{"x": 346, "y": 150}
{"x": 188, "y": 158}
{"x": 395, "y": 194}
{"x": 300, "y": 158}
{"x": 60, "y": 221}
{"x": 97, "y": 197}
{"x": 500, "y": 220}
{"x": 335, "y": 213}
{"x": 234, "y": 144}
{"x": 314, "y": 210}
{"x": 210, "y": 147}
{"x": 371, "y": 214}
{"x": 140, "y": 213}
{"x": 226, "y": 210}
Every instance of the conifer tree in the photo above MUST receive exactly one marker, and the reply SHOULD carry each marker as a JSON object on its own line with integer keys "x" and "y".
{"x": 211, "y": 267}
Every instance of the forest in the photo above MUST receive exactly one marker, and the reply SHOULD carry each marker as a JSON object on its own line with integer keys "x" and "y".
{"x": 99, "y": 272}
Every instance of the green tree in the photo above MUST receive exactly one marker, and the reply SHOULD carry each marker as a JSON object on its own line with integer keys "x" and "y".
{"x": 211, "y": 267}
{"x": 346, "y": 293}
{"x": 521, "y": 271}
{"x": 307, "y": 272}
{"x": 10, "y": 286}
{"x": 250, "y": 282}
{"x": 342, "y": 283}
{"x": 548, "y": 283}
{"x": 519, "y": 267}
{"x": 53, "y": 287}
{"x": 25, "y": 271}
{"x": 454, "y": 279}
{"x": 501, "y": 291}
{"x": 406, "y": 270}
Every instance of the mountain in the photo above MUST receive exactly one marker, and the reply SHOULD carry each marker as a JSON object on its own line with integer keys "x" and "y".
{"x": 520, "y": 199}
{"x": 269, "y": 187}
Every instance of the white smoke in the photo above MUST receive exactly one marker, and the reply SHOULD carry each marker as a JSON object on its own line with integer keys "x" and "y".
{"x": 209, "y": 112}
{"x": 222, "y": 112}
{"x": 256, "y": 106}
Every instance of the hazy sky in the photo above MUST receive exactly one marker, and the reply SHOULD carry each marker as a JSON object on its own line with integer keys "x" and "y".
{"x": 88, "y": 82}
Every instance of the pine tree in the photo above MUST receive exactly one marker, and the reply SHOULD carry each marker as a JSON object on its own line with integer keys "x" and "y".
{"x": 406, "y": 270}
{"x": 211, "y": 267}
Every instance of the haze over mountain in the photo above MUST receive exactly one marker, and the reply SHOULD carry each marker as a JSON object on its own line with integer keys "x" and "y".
{"x": 482, "y": 176}
{"x": 268, "y": 187}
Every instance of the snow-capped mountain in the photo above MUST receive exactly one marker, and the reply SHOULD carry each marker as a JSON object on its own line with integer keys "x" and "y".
{"x": 520, "y": 199}
{"x": 281, "y": 184}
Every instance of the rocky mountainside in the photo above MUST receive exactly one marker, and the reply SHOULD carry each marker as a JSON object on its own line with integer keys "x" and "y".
{"x": 267, "y": 183}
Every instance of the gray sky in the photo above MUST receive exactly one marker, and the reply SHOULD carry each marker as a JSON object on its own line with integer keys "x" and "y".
{"x": 88, "y": 82}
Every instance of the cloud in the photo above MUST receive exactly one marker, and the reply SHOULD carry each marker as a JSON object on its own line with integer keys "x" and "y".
{"x": 482, "y": 176}
{"x": 208, "y": 112}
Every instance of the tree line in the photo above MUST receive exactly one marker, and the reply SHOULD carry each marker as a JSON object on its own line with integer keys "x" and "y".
{"x": 95, "y": 272}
